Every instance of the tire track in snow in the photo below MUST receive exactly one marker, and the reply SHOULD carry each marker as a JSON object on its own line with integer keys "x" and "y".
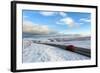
{"x": 44, "y": 53}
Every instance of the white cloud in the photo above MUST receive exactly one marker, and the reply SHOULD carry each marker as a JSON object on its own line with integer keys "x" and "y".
{"x": 68, "y": 21}
{"x": 45, "y": 13}
{"x": 63, "y": 14}
{"x": 29, "y": 27}
{"x": 85, "y": 20}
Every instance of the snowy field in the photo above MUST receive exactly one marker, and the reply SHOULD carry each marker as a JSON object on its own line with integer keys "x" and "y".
{"x": 84, "y": 42}
{"x": 33, "y": 52}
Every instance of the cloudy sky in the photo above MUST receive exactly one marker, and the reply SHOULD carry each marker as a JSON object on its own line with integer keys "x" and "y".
{"x": 49, "y": 22}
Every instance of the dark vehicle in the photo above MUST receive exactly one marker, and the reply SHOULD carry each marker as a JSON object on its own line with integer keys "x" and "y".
{"x": 71, "y": 48}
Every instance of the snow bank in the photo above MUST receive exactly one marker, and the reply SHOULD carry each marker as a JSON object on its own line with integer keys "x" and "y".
{"x": 33, "y": 52}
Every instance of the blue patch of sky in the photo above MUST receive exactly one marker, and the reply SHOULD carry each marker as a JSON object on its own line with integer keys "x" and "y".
{"x": 50, "y": 21}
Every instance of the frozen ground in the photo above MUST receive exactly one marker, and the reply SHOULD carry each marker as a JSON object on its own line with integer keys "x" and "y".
{"x": 33, "y": 52}
{"x": 82, "y": 43}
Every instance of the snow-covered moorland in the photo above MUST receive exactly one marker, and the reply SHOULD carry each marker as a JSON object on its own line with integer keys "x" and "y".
{"x": 33, "y": 52}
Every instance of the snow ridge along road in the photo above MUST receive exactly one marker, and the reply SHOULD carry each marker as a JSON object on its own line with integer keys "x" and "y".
{"x": 33, "y": 52}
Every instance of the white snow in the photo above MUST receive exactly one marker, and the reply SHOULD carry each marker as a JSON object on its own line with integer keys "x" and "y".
{"x": 83, "y": 43}
{"x": 33, "y": 52}
{"x": 78, "y": 43}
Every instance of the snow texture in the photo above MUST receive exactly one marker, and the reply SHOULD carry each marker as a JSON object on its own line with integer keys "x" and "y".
{"x": 33, "y": 52}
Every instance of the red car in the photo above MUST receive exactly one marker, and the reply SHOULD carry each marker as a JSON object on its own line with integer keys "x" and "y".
{"x": 70, "y": 48}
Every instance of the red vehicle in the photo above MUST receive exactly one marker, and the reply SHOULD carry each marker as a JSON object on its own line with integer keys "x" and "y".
{"x": 71, "y": 48}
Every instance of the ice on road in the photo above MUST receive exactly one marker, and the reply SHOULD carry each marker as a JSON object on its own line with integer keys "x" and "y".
{"x": 33, "y": 52}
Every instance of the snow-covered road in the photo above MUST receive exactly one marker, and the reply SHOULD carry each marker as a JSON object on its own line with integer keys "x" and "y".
{"x": 33, "y": 52}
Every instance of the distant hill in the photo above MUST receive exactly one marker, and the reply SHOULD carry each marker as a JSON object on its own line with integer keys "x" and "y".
{"x": 26, "y": 35}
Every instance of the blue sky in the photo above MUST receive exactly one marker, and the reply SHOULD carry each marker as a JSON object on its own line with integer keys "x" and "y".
{"x": 47, "y": 22}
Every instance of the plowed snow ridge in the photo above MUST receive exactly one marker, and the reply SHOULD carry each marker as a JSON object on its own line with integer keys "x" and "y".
{"x": 33, "y": 52}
